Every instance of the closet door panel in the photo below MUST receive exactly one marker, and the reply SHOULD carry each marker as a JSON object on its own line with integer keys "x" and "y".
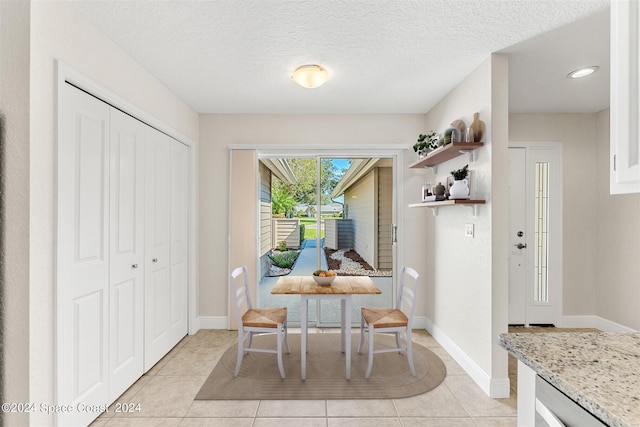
{"x": 158, "y": 340}
{"x": 126, "y": 252}
{"x": 82, "y": 253}
{"x": 179, "y": 238}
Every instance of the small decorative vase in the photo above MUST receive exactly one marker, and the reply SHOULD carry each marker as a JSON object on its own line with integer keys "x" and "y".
{"x": 451, "y": 135}
{"x": 459, "y": 189}
{"x": 469, "y": 137}
{"x": 478, "y": 128}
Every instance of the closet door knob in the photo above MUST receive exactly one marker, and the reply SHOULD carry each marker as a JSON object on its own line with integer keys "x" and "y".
{"x": 134, "y": 266}
{"x": 155, "y": 260}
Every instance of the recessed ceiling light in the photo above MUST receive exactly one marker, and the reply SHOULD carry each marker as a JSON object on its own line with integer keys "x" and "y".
{"x": 583, "y": 72}
{"x": 310, "y": 76}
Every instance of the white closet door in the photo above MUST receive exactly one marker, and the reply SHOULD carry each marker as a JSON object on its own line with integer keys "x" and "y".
{"x": 179, "y": 239}
{"x": 158, "y": 340}
{"x": 83, "y": 254}
{"x": 126, "y": 279}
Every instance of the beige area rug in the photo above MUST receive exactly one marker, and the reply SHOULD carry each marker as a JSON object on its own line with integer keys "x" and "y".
{"x": 259, "y": 378}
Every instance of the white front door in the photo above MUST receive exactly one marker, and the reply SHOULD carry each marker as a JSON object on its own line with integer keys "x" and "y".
{"x": 517, "y": 228}
{"x": 82, "y": 255}
{"x": 535, "y": 234}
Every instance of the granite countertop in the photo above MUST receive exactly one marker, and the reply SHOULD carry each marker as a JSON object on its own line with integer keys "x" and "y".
{"x": 598, "y": 370}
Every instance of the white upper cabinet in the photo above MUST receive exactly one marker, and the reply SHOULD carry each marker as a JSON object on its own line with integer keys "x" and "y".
{"x": 625, "y": 98}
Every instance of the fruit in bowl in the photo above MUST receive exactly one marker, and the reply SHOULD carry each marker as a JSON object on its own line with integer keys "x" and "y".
{"x": 324, "y": 277}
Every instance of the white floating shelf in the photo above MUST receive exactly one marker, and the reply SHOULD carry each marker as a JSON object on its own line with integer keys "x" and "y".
{"x": 434, "y": 206}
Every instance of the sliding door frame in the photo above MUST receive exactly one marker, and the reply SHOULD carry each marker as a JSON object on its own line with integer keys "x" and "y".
{"x": 393, "y": 151}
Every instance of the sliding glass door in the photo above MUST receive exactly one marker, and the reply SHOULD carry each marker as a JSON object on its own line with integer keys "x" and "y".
{"x": 330, "y": 212}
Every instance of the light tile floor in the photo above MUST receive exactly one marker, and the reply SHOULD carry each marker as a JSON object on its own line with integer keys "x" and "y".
{"x": 166, "y": 397}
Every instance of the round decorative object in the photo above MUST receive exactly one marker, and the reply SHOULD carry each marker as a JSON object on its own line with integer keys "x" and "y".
{"x": 460, "y": 125}
{"x": 438, "y": 190}
{"x": 459, "y": 189}
{"x": 324, "y": 281}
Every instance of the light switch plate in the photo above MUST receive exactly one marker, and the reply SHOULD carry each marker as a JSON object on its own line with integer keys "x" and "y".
{"x": 468, "y": 230}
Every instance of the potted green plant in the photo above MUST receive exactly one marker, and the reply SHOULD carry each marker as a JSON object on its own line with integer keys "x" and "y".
{"x": 426, "y": 143}
{"x": 460, "y": 187}
{"x": 460, "y": 174}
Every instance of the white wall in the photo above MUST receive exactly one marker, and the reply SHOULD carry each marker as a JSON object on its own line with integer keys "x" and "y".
{"x": 617, "y": 230}
{"x": 59, "y": 32}
{"x": 468, "y": 283}
{"x": 217, "y": 132}
{"x": 14, "y": 295}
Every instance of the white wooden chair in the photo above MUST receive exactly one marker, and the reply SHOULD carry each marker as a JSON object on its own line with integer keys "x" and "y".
{"x": 396, "y": 320}
{"x": 257, "y": 321}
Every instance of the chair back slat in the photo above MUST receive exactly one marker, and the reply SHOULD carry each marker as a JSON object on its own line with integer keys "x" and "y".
{"x": 243, "y": 301}
{"x": 407, "y": 292}
{"x": 256, "y": 321}
{"x": 398, "y": 320}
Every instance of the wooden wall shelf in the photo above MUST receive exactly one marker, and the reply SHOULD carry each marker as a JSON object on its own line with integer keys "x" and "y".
{"x": 447, "y": 152}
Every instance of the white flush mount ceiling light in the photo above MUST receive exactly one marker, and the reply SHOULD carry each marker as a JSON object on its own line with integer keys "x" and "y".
{"x": 583, "y": 72}
{"x": 310, "y": 76}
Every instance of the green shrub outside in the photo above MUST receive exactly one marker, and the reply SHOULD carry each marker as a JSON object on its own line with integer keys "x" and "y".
{"x": 283, "y": 259}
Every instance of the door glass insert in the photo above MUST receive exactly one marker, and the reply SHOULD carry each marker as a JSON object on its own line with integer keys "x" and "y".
{"x": 541, "y": 246}
{"x": 358, "y": 228}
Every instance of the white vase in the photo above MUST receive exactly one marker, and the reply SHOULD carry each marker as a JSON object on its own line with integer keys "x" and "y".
{"x": 459, "y": 189}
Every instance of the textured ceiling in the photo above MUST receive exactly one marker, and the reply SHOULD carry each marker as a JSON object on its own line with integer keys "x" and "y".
{"x": 383, "y": 56}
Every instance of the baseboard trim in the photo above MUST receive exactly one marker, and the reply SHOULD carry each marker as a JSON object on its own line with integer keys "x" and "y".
{"x": 591, "y": 321}
{"x": 420, "y": 322}
{"x": 212, "y": 322}
{"x": 493, "y": 387}
{"x": 499, "y": 388}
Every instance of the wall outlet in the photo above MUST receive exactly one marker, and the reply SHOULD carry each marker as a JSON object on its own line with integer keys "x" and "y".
{"x": 468, "y": 230}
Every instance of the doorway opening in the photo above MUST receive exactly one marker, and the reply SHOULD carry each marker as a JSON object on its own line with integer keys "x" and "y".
{"x": 329, "y": 212}
{"x": 535, "y": 234}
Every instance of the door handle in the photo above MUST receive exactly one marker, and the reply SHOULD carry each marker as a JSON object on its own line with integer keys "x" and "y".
{"x": 134, "y": 266}
{"x": 520, "y": 245}
{"x": 155, "y": 260}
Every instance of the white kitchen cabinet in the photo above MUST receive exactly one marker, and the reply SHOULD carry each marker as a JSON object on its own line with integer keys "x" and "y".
{"x": 625, "y": 97}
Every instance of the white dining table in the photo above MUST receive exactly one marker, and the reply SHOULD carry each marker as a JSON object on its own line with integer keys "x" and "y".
{"x": 342, "y": 288}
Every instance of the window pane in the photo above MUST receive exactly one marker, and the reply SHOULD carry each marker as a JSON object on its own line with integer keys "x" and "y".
{"x": 541, "y": 245}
